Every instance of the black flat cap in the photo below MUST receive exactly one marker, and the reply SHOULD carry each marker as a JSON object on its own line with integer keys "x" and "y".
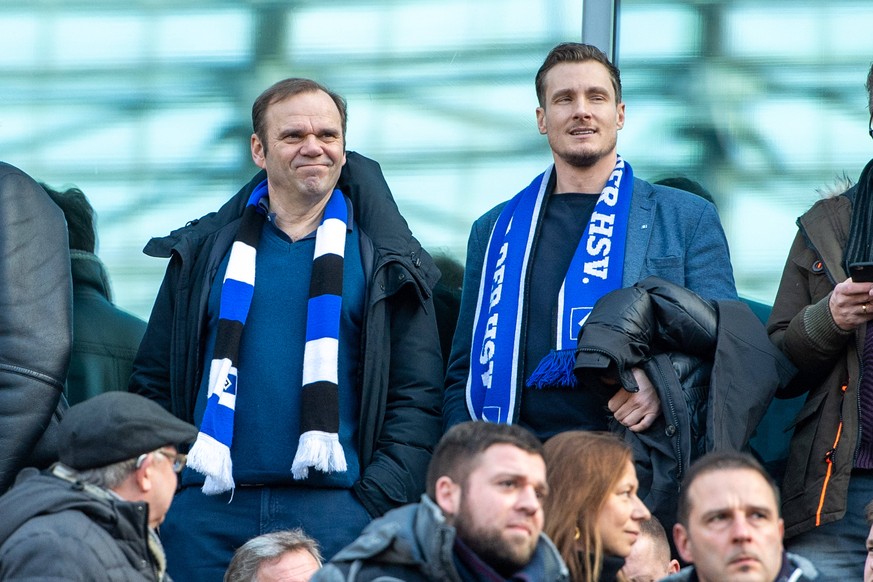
{"x": 117, "y": 426}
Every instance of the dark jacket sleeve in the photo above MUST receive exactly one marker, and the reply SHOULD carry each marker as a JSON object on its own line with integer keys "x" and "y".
{"x": 801, "y": 324}
{"x": 35, "y": 317}
{"x": 412, "y": 418}
{"x": 151, "y": 367}
{"x": 403, "y": 367}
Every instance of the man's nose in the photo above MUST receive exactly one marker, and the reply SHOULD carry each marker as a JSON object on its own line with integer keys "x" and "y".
{"x": 528, "y": 500}
{"x": 582, "y": 109}
{"x": 740, "y": 528}
{"x": 311, "y": 146}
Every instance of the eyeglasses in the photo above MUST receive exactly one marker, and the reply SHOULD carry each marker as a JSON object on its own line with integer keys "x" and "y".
{"x": 178, "y": 459}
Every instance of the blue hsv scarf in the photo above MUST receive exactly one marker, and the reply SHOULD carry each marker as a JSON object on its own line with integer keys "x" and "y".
{"x": 596, "y": 269}
{"x": 319, "y": 445}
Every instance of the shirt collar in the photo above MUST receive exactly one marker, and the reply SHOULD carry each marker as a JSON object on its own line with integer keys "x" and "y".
{"x": 264, "y": 204}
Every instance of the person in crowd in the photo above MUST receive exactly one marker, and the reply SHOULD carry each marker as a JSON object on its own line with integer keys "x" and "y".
{"x": 295, "y": 328}
{"x": 687, "y": 184}
{"x": 820, "y": 320}
{"x": 280, "y": 556}
{"x": 92, "y": 516}
{"x": 650, "y": 559}
{"x": 481, "y": 519}
{"x": 36, "y": 323}
{"x": 585, "y": 219}
{"x": 447, "y": 300}
{"x": 105, "y": 337}
{"x": 592, "y": 514}
{"x": 868, "y": 546}
{"x": 729, "y": 526}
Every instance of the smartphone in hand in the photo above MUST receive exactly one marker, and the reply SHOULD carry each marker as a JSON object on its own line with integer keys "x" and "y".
{"x": 861, "y": 272}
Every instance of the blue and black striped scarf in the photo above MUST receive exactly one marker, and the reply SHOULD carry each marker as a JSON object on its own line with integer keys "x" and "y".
{"x": 319, "y": 445}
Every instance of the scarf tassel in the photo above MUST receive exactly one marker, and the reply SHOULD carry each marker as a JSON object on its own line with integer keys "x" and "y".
{"x": 320, "y": 450}
{"x": 556, "y": 369}
{"x": 212, "y": 458}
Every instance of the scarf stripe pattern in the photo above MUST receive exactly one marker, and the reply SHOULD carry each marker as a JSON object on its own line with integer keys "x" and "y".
{"x": 210, "y": 453}
{"x": 319, "y": 445}
{"x": 596, "y": 269}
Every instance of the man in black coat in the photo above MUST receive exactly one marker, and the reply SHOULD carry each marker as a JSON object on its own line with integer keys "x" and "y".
{"x": 92, "y": 516}
{"x": 105, "y": 337}
{"x": 295, "y": 327}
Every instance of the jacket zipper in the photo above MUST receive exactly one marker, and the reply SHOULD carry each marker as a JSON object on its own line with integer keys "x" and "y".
{"x": 829, "y": 459}
{"x": 670, "y": 403}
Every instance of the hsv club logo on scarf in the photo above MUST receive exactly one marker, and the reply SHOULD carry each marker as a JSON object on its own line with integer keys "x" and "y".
{"x": 596, "y": 269}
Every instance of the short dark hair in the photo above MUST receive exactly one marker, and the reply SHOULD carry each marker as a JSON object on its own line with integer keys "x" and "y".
{"x": 79, "y": 214}
{"x": 719, "y": 461}
{"x": 288, "y": 88}
{"x": 868, "y": 513}
{"x": 458, "y": 449}
{"x": 653, "y": 528}
{"x": 575, "y": 52}
{"x": 687, "y": 184}
{"x": 266, "y": 548}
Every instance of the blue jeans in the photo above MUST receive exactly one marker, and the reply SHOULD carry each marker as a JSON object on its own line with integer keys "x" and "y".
{"x": 201, "y": 532}
{"x": 838, "y": 549}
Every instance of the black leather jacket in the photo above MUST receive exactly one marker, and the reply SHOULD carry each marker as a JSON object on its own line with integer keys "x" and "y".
{"x": 35, "y": 320}
{"x": 711, "y": 363}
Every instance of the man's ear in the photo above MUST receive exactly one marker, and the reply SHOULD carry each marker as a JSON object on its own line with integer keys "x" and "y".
{"x": 258, "y": 156}
{"x": 448, "y": 495}
{"x": 683, "y": 543}
{"x": 143, "y": 476}
{"x": 541, "y": 120}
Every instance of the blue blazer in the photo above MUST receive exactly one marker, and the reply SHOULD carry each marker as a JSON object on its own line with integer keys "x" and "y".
{"x": 672, "y": 234}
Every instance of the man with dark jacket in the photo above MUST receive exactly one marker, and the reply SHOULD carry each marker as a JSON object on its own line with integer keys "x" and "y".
{"x": 105, "y": 338}
{"x": 92, "y": 516}
{"x": 35, "y": 322}
{"x": 821, "y": 321}
{"x": 482, "y": 517}
{"x": 295, "y": 327}
{"x": 729, "y": 525}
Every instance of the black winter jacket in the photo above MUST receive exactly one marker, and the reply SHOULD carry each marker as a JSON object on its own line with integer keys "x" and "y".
{"x": 35, "y": 322}
{"x": 401, "y": 367}
{"x": 105, "y": 338}
{"x": 712, "y": 364}
{"x": 55, "y": 529}
{"x": 415, "y": 543}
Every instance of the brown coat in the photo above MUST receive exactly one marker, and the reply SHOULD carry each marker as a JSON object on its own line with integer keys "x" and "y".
{"x": 826, "y": 429}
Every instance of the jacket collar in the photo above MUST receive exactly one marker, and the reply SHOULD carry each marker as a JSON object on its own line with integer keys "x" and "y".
{"x": 376, "y": 214}
{"x": 88, "y": 269}
{"x": 825, "y": 227}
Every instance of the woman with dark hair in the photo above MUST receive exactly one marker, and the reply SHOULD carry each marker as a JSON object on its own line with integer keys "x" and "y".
{"x": 592, "y": 512}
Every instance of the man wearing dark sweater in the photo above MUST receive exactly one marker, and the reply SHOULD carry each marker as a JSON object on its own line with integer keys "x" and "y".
{"x": 295, "y": 328}
{"x": 537, "y": 264}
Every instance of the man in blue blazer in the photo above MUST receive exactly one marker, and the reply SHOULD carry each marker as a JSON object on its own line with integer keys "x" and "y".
{"x": 537, "y": 263}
